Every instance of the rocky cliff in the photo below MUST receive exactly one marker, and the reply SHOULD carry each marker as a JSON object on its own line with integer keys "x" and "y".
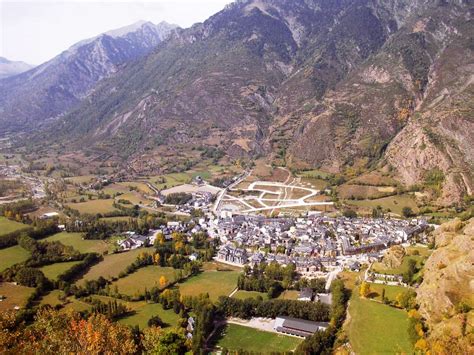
{"x": 446, "y": 294}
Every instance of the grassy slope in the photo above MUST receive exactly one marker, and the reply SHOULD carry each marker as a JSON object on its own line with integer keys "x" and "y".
{"x": 54, "y": 270}
{"x": 113, "y": 264}
{"x": 394, "y": 203}
{"x": 235, "y": 337}
{"x": 75, "y": 240}
{"x": 93, "y": 206}
{"x": 215, "y": 283}
{"x": 8, "y": 226}
{"x": 11, "y": 256}
{"x": 15, "y": 295}
{"x": 376, "y": 328}
{"x": 146, "y": 277}
{"x": 144, "y": 311}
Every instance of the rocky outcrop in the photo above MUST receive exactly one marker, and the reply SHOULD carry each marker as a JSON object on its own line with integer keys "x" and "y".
{"x": 448, "y": 287}
{"x": 393, "y": 257}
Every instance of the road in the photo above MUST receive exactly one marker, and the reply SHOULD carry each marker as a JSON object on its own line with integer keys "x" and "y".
{"x": 224, "y": 191}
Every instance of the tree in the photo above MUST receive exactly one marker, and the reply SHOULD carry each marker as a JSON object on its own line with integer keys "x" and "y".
{"x": 68, "y": 333}
{"x": 411, "y": 271}
{"x": 165, "y": 342}
{"x": 406, "y": 299}
{"x": 364, "y": 289}
{"x": 350, "y": 213}
{"x": 407, "y": 212}
{"x": 155, "y": 321}
{"x": 163, "y": 281}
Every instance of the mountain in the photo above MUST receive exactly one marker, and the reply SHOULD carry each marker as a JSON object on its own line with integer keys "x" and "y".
{"x": 51, "y": 89}
{"x": 10, "y": 68}
{"x": 341, "y": 85}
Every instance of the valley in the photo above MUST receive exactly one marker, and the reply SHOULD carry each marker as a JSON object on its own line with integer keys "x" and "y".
{"x": 284, "y": 177}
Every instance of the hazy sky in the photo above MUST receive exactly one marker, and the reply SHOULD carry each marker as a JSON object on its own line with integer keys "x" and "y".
{"x": 34, "y": 31}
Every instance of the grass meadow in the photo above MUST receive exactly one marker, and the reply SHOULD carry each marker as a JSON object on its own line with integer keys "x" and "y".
{"x": 8, "y": 226}
{"x": 77, "y": 242}
{"x": 15, "y": 295}
{"x": 235, "y": 337}
{"x": 11, "y": 256}
{"x": 112, "y": 265}
{"x": 146, "y": 277}
{"x": 394, "y": 203}
{"x": 144, "y": 311}
{"x": 93, "y": 206}
{"x": 54, "y": 270}
{"x": 215, "y": 283}
{"x": 377, "y": 328}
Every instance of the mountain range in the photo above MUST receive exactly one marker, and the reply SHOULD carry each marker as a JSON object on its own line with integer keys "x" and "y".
{"x": 10, "y": 68}
{"x": 53, "y": 88}
{"x": 345, "y": 86}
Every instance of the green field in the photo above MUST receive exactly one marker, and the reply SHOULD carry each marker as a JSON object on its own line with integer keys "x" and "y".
{"x": 113, "y": 264}
{"x": 215, "y": 283}
{"x": 134, "y": 198}
{"x": 141, "y": 186}
{"x": 144, "y": 311}
{"x": 236, "y": 337}
{"x": 417, "y": 253}
{"x": 11, "y": 256}
{"x": 77, "y": 242}
{"x": 76, "y": 305}
{"x": 8, "y": 226}
{"x": 241, "y": 294}
{"x": 289, "y": 295}
{"x": 15, "y": 295}
{"x": 52, "y": 298}
{"x": 316, "y": 174}
{"x": 146, "y": 277}
{"x": 376, "y": 328}
{"x": 54, "y": 270}
{"x": 93, "y": 206}
{"x": 394, "y": 203}
{"x": 391, "y": 292}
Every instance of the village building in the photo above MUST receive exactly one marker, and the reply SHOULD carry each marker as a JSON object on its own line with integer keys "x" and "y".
{"x": 306, "y": 294}
{"x": 298, "y": 327}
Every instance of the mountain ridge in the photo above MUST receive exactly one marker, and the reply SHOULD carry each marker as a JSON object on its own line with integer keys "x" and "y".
{"x": 54, "y": 87}
{"x": 10, "y": 68}
{"x": 346, "y": 86}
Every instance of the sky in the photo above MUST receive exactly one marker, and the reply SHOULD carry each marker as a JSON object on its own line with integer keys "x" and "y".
{"x": 35, "y": 31}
